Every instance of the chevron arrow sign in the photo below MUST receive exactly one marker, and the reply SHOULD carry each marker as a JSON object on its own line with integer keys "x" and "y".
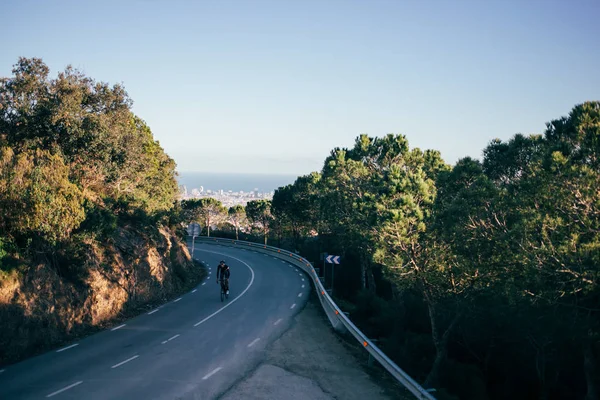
{"x": 332, "y": 259}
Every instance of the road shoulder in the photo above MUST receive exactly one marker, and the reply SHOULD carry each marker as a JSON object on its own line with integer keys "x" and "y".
{"x": 309, "y": 361}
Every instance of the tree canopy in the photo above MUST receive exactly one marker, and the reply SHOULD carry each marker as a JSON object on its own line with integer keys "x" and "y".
{"x": 497, "y": 261}
{"x": 72, "y": 148}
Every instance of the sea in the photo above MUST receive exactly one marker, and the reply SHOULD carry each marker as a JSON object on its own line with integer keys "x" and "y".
{"x": 263, "y": 183}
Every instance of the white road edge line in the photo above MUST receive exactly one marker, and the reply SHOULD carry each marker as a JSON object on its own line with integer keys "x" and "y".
{"x": 126, "y": 361}
{"x": 194, "y": 291}
{"x": 292, "y": 307}
{"x": 153, "y": 311}
{"x": 252, "y": 343}
{"x": 211, "y": 373}
{"x": 118, "y": 327}
{"x": 176, "y": 300}
{"x": 277, "y": 322}
{"x": 67, "y": 348}
{"x": 234, "y": 300}
{"x": 168, "y": 340}
{"x": 65, "y": 388}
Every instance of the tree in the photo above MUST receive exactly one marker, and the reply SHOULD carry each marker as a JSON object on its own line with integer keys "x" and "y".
{"x": 109, "y": 151}
{"x": 237, "y": 218}
{"x": 259, "y": 213}
{"x": 296, "y": 207}
{"x": 38, "y": 201}
{"x": 207, "y": 210}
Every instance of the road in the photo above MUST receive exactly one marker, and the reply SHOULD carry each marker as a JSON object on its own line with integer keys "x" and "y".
{"x": 194, "y": 347}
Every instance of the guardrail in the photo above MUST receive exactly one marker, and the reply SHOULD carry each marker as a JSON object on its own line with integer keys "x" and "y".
{"x": 336, "y": 316}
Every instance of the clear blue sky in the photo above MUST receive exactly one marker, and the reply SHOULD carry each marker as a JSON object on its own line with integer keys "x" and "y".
{"x": 273, "y": 86}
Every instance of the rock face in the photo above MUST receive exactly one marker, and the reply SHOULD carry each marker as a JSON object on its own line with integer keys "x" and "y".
{"x": 42, "y": 307}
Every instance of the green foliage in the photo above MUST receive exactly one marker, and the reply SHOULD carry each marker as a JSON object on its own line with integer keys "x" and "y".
{"x": 74, "y": 160}
{"x": 110, "y": 152}
{"x": 236, "y": 216}
{"x": 38, "y": 199}
{"x": 493, "y": 266}
{"x": 259, "y": 213}
{"x": 207, "y": 211}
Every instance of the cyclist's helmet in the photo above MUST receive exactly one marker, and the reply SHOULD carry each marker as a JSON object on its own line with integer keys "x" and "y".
{"x": 222, "y": 262}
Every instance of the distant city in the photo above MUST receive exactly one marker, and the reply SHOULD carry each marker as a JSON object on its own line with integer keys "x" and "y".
{"x": 232, "y": 189}
{"x": 228, "y": 198}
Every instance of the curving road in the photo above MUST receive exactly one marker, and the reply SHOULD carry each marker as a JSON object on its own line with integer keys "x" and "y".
{"x": 194, "y": 347}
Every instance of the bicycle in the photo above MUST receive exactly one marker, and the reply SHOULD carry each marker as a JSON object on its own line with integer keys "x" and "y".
{"x": 224, "y": 289}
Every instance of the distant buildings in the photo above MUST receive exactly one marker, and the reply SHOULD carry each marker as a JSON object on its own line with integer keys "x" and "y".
{"x": 227, "y": 198}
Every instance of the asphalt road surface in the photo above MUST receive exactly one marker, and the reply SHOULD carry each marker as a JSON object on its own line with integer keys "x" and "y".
{"x": 195, "y": 347}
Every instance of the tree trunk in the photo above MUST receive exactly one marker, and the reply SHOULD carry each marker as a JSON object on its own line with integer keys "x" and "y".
{"x": 440, "y": 343}
{"x": 369, "y": 269}
{"x": 265, "y": 237}
{"x": 363, "y": 273}
{"x": 590, "y": 365}
{"x": 237, "y": 236}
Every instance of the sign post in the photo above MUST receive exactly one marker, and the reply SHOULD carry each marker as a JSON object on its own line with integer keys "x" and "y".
{"x": 333, "y": 260}
{"x": 194, "y": 231}
{"x": 323, "y": 257}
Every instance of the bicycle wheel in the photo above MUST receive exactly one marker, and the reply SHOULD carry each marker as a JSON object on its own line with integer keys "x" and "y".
{"x": 222, "y": 294}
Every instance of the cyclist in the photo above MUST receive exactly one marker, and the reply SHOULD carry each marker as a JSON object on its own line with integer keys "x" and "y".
{"x": 224, "y": 272}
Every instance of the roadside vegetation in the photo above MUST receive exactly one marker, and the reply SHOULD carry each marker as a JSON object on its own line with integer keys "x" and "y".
{"x": 88, "y": 210}
{"x": 479, "y": 279}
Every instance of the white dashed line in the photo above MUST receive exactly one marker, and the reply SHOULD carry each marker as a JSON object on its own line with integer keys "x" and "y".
{"x": 302, "y": 286}
{"x": 194, "y": 291}
{"x": 176, "y": 300}
{"x": 118, "y": 327}
{"x": 65, "y": 388}
{"x": 253, "y": 342}
{"x": 302, "y": 279}
{"x": 299, "y": 294}
{"x": 168, "y": 340}
{"x": 204, "y": 284}
{"x": 67, "y": 348}
{"x": 277, "y": 322}
{"x": 123, "y": 362}
{"x": 211, "y": 373}
{"x": 153, "y": 311}
{"x": 238, "y": 296}
{"x": 2, "y": 370}
{"x": 292, "y": 307}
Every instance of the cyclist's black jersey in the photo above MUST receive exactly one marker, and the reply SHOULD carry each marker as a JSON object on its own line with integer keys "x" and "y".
{"x": 223, "y": 271}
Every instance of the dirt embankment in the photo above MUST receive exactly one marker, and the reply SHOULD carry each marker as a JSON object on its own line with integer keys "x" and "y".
{"x": 310, "y": 361}
{"x": 41, "y": 308}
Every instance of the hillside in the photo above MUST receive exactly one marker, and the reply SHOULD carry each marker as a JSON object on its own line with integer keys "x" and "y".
{"x": 87, "y": 210}
{"x": 41, "y": 308}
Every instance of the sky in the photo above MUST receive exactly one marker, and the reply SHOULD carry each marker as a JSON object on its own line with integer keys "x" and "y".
{"x": 274, "y": 86}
